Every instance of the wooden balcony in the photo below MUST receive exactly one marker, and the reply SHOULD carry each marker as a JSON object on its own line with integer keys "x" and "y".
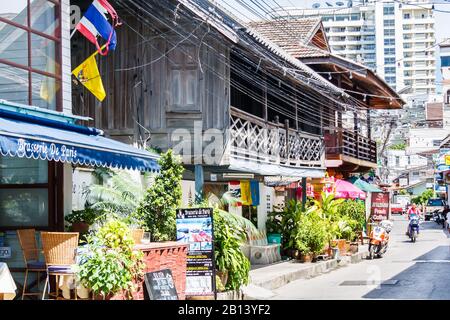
{"x": 350, "y": 147}
{"x": 252, "y": 138}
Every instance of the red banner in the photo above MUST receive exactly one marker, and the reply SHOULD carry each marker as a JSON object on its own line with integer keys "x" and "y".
{"x": 379, "y": 207}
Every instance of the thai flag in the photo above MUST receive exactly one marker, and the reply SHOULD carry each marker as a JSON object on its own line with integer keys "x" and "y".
{"x": 95, "y": 23}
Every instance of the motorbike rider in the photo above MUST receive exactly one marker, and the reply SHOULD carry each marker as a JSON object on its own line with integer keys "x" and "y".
{"x": 412, "y": 211}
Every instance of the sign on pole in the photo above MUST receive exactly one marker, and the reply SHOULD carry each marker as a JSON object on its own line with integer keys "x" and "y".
{"x": 195, "y": 227}
{"x": 379, "y": 207}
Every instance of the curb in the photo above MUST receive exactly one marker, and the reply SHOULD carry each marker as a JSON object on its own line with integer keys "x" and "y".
{"x": 309, "y": 271}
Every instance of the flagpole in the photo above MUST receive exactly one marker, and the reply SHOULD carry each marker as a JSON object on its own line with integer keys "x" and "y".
{"x": 73, "y": 32}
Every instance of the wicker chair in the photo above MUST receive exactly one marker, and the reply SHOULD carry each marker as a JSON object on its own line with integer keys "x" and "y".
{"x": 28, "y": 243}
{"x": 60, "y": 254}
{"x": 137, "y": 235}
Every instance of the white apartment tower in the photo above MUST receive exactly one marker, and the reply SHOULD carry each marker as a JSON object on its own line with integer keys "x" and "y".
{"x": 395, "y": 39}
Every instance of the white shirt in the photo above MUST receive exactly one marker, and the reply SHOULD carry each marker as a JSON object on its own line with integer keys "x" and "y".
{"x": 448, "y": 217}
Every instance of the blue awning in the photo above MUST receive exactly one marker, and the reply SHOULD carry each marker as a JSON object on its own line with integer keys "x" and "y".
{"x": 24, "y": 136}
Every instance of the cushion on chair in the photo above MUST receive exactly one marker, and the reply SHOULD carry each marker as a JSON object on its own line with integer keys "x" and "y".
{"x": 36, "y": 265}
{"x": 60, "y": 269}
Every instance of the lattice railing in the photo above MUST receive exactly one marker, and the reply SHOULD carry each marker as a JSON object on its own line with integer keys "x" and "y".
{"x": 252, "y": 138}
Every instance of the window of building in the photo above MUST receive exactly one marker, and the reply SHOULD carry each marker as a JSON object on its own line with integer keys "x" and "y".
{"x": 30, "y": 71}
{"x": 388, "y": 10}
{"x": 391, "y": 80}
{"x": 369, "y": 38}
{"x": 389, "y": 70}
{"x": 369, "y": 47}
{"x": 388, "y": 51}
{"x": 389, "y": 23}
{"x": 389, "y": 42}
{"x": 389, "y": 32}
{"x": 390, "y": 60}
{"x": 354, "y": 16}
{"x": 183, "y": 80}
{"x": 445, "y": 61}
{"x": 369, "y": 56}
{"x": 341, "y": 17}
{"x": 24, "y": 192}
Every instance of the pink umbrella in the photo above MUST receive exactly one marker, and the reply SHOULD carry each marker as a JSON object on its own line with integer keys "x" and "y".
{"x": 346, "y": 190}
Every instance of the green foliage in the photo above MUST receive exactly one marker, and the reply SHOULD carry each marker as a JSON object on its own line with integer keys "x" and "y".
{"x": 274, "y": 223}
{"x": 312, "y": 235}
{"x": 398, "y": 146}
{"x": 356, "y": 211}
{"x": 87, "y": 215}
{"x": 347, "y": 228}
{"x": 158, "y": 208}
{"x": 228, "y": 238}
{"x": 403, "y": 192}
{"x": 219, "y": 285}
{"x": 118, "y": 194}
{"x": 111, "y": 265}
{"x": 424, "y": 197}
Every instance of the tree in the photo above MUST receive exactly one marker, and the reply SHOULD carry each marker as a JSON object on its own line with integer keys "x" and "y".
{"x": 161, "y": 200}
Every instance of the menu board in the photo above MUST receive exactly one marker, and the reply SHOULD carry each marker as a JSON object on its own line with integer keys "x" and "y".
{"x": 379, "y": 207}
{"x": 195, "y": 227}
{"x": 159, "y": 285}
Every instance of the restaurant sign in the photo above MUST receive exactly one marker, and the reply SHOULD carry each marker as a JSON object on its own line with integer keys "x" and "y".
{"x": 5, "y": 252}
{"x": 379, "y": 207}
{"x": 195, "y": 228}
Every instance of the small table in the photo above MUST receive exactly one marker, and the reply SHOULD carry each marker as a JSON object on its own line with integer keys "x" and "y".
{"x": 7, "y": 285}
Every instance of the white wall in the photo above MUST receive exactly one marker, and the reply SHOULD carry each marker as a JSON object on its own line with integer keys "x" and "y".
{"x": 66, "y": 64}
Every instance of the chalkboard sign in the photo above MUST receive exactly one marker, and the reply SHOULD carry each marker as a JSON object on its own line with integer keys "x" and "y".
{"x": 159, "y": 285}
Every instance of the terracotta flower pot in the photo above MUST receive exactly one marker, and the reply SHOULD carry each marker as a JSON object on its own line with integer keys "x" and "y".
{"x": 305, "y": 258}
{"x": 354, "y": 247}
{"x": 81, "y": 227}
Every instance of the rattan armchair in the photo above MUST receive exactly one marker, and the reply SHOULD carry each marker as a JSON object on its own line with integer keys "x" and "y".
{"x": 137, "y": 235}
{"x": 60, "y": 255}
{"x": 28, "y": 243}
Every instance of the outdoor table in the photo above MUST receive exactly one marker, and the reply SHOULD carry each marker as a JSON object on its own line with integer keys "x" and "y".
{"x": 7, "y": 285}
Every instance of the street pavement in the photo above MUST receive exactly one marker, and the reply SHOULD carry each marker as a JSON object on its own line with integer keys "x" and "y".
{"x": 408, "y": 270}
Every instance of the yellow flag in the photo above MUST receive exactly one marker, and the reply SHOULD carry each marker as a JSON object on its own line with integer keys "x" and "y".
{"x": 246, "y": 195}
{"x": 87, "y": 73}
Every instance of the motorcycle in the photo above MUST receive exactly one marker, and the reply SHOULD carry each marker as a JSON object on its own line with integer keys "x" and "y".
{"x": 413, "y": 230}
{"x": 439, "y": 217}
{"x": 379, "y": 239}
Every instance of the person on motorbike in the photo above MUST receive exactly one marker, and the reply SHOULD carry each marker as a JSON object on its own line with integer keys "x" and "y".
{"x": 413, "y": 211}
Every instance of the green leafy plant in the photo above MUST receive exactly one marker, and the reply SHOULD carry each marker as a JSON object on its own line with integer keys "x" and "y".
{"x": 274, "y": 222}
{"x": 158, "y": 208}
{"x": 118, "y": 194}
{"x": 228, "y": 238}
{"x": 111, "y": 265}
{"x": 356, "y": 210}
{"x": 312, "y": 235}
{"x": 347, "y": 227}
{"x": 87, "y": 215}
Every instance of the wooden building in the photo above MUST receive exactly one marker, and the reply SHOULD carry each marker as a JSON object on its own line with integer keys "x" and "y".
{"x": 351, "y": 149}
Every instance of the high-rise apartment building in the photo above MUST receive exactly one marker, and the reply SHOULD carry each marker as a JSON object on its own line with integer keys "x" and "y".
{"x": 395, "y": 39}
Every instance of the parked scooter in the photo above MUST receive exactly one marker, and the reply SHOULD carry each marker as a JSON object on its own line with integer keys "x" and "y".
{"x": 439, "y": 217}
{"x": 413, "y": 230}
{"x": 379, "y": 239}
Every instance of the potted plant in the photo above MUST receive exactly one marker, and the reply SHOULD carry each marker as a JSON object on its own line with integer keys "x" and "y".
{"x": 311, "y": 237}
{"x": 110, "y": 266}
{"x": 233, "y": 267}
{"x": 81, "y": 220}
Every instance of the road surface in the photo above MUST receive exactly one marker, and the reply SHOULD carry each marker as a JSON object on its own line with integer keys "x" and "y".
{"x": 408, "y": 270}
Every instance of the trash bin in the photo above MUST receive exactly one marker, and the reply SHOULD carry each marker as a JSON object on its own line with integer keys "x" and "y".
{"x": 274, "y": 238}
